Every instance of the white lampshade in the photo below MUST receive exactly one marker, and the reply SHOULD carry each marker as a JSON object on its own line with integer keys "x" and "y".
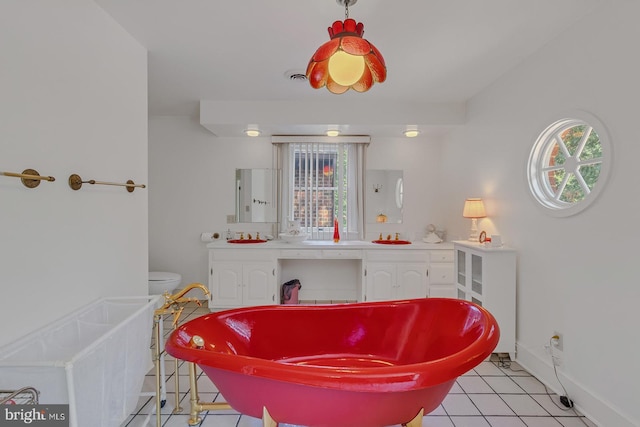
{"x": 474, "y": 208}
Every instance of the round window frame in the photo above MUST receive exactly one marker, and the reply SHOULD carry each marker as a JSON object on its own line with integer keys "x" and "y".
{"x": 538, "y": 160}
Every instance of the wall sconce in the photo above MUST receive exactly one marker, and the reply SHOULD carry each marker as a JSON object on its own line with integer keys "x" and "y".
{"x": 474, "y": 209}
{"x": 377, "y": 188}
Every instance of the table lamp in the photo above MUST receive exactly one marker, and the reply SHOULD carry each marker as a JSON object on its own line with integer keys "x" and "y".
{"x": 474, "y": 209}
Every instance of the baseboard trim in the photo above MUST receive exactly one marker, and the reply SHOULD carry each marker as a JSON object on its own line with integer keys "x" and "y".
{"x": 594, "y": 407}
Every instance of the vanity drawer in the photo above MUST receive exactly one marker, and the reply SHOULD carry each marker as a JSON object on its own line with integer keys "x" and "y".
{"x": 241, "y": 255}
{"x": 399, "y": 255}
{"x": 300, "y": 254}
{"x": 342, "y": 254}
{"x": 441, "y": 256}
{"x": 440, "y": 274}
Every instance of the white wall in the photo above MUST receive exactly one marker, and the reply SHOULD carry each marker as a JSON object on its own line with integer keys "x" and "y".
{"x": 576, "y": 275}
{"x": 191, "y": 175}
{"x": 73, "y": 87}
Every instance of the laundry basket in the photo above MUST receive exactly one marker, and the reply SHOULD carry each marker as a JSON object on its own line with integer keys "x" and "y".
{"x": 94, "y": 359}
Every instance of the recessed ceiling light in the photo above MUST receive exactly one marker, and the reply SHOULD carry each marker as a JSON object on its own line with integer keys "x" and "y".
{"x": 333, "y": 132}
{"x": 411, "y": 133}
{"x": 252, "y": 132}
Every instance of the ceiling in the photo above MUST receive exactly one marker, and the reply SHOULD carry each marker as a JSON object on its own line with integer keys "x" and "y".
{"x": 439, "y": 54}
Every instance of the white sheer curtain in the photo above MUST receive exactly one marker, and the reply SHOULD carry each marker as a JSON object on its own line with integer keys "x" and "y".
{"x": 355, "y": 200}
{"x": 326, "y": 166}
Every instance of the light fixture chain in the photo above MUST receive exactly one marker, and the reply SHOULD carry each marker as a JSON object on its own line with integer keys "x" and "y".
{"x": 346, "y": 10}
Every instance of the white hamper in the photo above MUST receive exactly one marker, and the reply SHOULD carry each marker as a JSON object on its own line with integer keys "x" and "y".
{"x": 95, "y": 359}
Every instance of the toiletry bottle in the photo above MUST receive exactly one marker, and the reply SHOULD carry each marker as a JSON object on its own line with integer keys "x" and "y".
{"x": 228, "y": 234}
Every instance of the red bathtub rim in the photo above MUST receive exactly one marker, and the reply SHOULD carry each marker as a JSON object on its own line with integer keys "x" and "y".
{"x": 364, "y": 379}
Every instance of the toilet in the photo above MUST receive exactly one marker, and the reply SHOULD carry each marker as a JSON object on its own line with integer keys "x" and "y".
{"x": 161, "y": 281}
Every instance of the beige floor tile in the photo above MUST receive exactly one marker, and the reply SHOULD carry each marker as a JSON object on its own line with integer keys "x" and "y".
{"x": 524, "y": 405}
{"x": 505, "y": 421}
{"x": 474, "y": 385}
{"x": 504, "y": 385}
{"x": 467, "y": 421}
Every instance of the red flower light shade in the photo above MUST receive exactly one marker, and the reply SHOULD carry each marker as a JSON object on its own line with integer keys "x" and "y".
{"x": 347, "y": 61}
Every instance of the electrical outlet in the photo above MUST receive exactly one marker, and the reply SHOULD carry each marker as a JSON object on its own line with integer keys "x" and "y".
{"x": 557, "y": 342}
{"x": 231, "y": 219}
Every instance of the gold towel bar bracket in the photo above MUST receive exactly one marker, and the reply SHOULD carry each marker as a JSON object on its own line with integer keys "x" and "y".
{"x": 75, "y": 182}
{"x": 29, "y": 177}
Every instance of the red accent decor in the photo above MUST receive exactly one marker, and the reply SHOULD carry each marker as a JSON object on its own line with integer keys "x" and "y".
{"x": 367, "y": 364}
{"x": 347, "y": 37}
{"x": 336, "y": 230}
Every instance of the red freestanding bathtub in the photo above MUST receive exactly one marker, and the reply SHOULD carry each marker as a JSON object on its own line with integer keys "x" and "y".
{"x": 366, "y": 364}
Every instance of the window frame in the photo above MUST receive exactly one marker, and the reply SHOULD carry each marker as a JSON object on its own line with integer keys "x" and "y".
{"x": 313, "y": 158}
{"x": 354, "y": 227}
{"x": 538, "y": 165}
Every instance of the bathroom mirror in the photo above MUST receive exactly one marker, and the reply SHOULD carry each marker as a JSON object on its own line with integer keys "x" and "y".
{"x": 384, "y": 196}
{"x": 255, "y": 195}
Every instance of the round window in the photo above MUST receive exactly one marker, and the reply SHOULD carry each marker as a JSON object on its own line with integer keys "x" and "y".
{"x": 568, "y": 166}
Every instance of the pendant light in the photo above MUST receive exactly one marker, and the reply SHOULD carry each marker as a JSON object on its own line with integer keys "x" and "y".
{"x": 347, "y": 61}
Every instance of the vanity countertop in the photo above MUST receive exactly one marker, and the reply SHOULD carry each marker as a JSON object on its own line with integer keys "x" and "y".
{"x": 327, "y": 244}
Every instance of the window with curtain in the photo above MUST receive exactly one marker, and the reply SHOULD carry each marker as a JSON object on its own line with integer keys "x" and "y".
{"x": 323, "y": 180}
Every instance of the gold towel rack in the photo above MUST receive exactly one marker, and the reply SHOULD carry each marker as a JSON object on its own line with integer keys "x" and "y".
{"x": 75, "y": 182}
{"x": 29, "y": 177}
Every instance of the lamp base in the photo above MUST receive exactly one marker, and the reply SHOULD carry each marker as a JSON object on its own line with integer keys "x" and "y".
{"x": 473, "y": 237}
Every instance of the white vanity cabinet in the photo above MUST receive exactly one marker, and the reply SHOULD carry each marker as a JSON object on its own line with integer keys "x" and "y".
{"x": 441, "y": 274}
{"x": 392, "y": 275}
{"x": 242, "y": 278}
{"x": 487, "y": 276}
{"x": 247, "y": 275}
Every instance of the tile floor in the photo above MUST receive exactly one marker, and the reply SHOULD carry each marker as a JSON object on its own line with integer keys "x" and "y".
{"x": 497, "y": 393}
